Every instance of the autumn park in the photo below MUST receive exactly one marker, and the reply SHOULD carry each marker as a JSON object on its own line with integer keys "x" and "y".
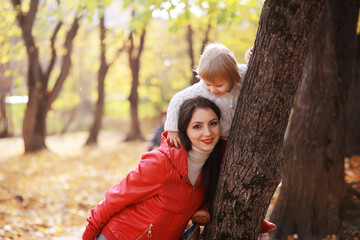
{"x": 84, "y": 84}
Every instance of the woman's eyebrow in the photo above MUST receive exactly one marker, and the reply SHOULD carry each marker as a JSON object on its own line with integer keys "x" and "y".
{"x": 199, "y": 122}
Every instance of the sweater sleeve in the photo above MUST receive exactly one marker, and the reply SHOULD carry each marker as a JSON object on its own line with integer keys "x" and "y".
{"x": 140, "y": 184}
{"x": 243, "y": 70}
{"x": 178, "y": 99}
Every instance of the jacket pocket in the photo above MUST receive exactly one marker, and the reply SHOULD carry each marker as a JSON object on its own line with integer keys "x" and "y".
{"x": 147, "y": 231}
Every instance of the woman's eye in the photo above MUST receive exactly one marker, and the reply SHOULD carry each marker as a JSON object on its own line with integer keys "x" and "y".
{"x": 197, "y": 126}
{"x": 213, "y": 123}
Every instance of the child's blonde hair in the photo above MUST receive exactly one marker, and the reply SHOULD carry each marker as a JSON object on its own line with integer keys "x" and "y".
{"x": 218, "y": 62}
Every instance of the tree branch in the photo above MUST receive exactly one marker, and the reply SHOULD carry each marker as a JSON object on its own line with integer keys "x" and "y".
{"x": 53, "y": 50}
{"x": 206, "y": 37}
{"x": 118, "y": 53}
{"x": 66, "y": 61}
{"x": 30, "y": 16}
{"x": 19, "y": 13}
{"x": 25, "y": 22}
{"x": 189, "y": 39}
{"x": 141, "y": 44}
{"x": 131, "y": 39}
{"x": 131, "y": 45}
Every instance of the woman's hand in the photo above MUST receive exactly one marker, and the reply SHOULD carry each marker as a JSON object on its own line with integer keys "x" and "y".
{"x": 173, "y": 139}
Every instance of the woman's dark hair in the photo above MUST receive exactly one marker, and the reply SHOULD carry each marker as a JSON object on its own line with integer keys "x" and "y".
{"x": 211, "y": 168}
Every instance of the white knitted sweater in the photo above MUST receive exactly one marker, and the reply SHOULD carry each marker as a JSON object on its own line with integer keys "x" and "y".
{"x": 226, "y": 103}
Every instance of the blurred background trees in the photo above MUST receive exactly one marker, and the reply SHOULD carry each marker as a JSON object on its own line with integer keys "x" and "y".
{"x": 57, "y": 76}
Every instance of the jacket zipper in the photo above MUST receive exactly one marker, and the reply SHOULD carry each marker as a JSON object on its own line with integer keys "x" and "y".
{"x": 148, "y": 230}
{"x": 192, "y": 198}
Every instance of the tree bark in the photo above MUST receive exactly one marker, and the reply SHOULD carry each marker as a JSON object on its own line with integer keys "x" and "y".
{"x": 99, "y": 111}
{"x": 312, "y": 190}
{"x": 353, "y": 110}
{"x": 134, "y": 62}
{"x": 252, "y": 163}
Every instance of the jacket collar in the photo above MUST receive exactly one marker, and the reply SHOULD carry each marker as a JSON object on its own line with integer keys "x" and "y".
{"x": 178, "y": 157}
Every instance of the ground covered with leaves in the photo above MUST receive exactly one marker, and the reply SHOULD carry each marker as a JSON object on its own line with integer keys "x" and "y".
{"x": 48, "y": 195}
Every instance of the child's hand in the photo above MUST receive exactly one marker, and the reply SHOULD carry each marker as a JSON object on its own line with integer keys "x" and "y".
{"x": 248, "y": 55}
{"x": 173, "y": 139}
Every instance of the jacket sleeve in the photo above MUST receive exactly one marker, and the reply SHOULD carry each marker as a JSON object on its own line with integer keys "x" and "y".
{"x": 140, "y": 184}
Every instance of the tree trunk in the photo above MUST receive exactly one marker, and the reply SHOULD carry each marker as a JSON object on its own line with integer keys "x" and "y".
{"x": 99, "y": 111}
{"x": 134, "y": 62}
{"x": 40, "y": 95}
{"x": 190, "y": 42}
{"x": 3, "y": 117}
{"x": 312, "y": 190}
{"x": 189, "y": 39}
{"x": 252, "y": 163}
{"x": 5, "y": 85}
{"x": 206, "y": 37}
{"x": 353, "y": 109}
{"x": 34, "y": 132}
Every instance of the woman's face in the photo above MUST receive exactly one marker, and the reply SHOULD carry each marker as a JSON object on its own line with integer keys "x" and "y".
{"x": 204, "y": 129}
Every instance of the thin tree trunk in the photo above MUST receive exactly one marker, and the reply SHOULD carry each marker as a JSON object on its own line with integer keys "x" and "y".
{"x": 99, "y": 111}
{"x": 134, "y": 61}
{"x": 5, "y": 85}
{"x": 71, "y": 117}
{"x": 312, "y": 190}
{"x": 3, "y": 117}
{"x": 252, "y": 163}
{"x": 189, "y": 39}
{"x": 206, "y": 37}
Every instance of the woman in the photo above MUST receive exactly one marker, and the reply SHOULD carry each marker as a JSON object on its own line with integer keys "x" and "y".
{"x": 157, "y": 199}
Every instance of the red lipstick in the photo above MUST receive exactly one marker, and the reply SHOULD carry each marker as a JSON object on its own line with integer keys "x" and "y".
{"x": 208, "y": 141}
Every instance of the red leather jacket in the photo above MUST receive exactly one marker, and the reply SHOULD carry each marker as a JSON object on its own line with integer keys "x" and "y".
{"x": 154, "y": 201}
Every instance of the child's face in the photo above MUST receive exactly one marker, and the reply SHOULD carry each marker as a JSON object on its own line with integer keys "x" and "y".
{"x": 218, "y": 87}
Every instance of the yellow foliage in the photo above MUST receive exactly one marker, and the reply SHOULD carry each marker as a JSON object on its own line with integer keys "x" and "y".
{"x": 49, "y": 194}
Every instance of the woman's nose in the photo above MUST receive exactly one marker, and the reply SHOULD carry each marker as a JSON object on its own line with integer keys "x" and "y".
{"x": 207, "y": 131}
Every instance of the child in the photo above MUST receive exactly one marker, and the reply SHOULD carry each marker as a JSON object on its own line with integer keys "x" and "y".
{"x": 221, "y": 79}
